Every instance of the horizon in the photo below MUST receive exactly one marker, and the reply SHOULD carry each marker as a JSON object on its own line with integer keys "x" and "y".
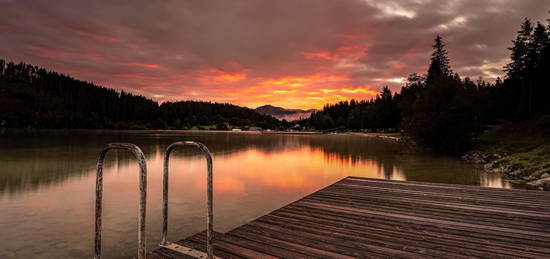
{"x": 337, "y": 51}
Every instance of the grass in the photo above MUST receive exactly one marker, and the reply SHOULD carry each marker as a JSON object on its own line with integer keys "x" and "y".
{"x": 395, "y": 134}
{"x": 526, "y": 145}
{"x": 203, "y": 127}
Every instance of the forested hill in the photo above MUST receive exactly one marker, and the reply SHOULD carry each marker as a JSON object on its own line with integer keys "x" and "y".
{"x": 31, "y": 96}
{"x": 188, "y": 113}
{"x": 284, "y": 114}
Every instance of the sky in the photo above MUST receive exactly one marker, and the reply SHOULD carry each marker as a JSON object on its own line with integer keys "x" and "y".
{"x": 289, "y": 53}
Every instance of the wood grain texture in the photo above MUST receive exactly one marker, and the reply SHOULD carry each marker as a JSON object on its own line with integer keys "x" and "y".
{"x": 373, "y": 218}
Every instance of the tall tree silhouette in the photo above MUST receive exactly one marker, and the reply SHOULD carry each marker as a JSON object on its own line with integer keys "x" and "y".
{"x": 518, "y": 67}
{"x": 537, "y": 80}
{"x": 439, "y": 64}
{"x": 517, "y": 71}
{"x": 527, "y": 77}
{"x": 439, "y": 116}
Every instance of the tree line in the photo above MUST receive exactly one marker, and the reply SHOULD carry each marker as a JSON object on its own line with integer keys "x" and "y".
{"x": 442, "y": 111}
{"x": 31, "y": 96}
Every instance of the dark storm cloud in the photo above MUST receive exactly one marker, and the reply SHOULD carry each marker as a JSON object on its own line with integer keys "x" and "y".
{"x": 296, "y": 53}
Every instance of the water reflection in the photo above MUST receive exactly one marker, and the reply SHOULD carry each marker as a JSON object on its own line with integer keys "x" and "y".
{"x": 47, "y": 179}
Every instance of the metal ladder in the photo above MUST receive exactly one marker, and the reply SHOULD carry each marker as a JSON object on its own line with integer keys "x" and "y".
{"x": 142, "y": 241}
{"x": 209, "y": 220}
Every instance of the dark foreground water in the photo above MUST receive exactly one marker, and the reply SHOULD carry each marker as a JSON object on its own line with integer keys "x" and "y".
{"x": 47, "y": 183}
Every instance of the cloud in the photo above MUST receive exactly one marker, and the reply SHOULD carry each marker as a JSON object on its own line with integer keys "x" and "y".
{"x": 296, "y": 54}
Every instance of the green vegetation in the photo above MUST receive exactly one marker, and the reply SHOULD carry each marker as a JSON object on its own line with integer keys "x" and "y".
{"x": 524, "y": 145}
{"x": 393, "y": 135}
{"x": 203, "y": 127}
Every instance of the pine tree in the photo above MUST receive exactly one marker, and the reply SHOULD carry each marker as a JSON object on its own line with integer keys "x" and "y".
{"x": 537, "y": 68}
{"x": 439, "y": 64}
{"x": 2, "y": 64}
{"x": 439, "y": 118}
{"x": 517, "y": 68}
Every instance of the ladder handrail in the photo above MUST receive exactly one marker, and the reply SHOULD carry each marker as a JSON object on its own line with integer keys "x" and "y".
{"x": 209, "y": 210}
{"x": 142, "y": 241}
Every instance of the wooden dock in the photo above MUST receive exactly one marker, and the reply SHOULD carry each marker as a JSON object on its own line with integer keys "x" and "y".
{"x": 365, "y": 218}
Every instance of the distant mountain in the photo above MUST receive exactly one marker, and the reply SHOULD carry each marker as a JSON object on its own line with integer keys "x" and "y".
{"x": 284, "y": 114}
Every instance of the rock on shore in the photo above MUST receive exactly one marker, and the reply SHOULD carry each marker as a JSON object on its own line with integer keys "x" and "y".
{"x": 490, "y": 163}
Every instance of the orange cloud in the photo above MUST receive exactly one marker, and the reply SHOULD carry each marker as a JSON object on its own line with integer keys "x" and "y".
{"x": 359, "y": 90}
{"x": 289, "y": 81}
{"x": 300, "y": 91}
{"x": 216, "y": 75}
{"x": 323, "y": 54}
{"x": 284, "y": 91}
{"x": 326, "y": 91}
{"x": 343, "y": 52}
{"x": 137, "y": 64}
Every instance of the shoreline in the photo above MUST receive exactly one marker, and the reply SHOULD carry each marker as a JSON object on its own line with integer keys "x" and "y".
{"x": 520, "y": 150}
{"x": 386, "y": 136}
{"x": 492, "y": 163}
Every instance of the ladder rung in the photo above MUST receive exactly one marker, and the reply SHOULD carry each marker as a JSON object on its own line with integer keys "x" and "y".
{"x": 186, "y": 250}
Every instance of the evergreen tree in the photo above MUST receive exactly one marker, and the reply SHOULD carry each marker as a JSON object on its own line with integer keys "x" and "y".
{"x": 438, "y": 105}
{"x": 537, "y": 81}
{"x": 439, "y": 63}
{"x": 517, "y": 68}
{"x": 525, "y": 87}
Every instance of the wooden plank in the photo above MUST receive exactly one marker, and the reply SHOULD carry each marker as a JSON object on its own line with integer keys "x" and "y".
{"x": 381, "y": 200}
{"x": 311, "y": 252}
{"x": 465, "y": 198}
{"x": 476, "y": 194}
{"x": 403, "y": 224}
{"x": 428, "y": 220}
{"x": 266, "y": 247}
{"x": 361, "y": 217}
{"x": 319, "y": 243}
{"x": 444, "y": 212}
{"x": 518, "y": 193}
{"x": 350, "y": 238}
{"x": 369, "y": 198}
{"x": 429, "y": 240}
{"x": 198, "y": 241}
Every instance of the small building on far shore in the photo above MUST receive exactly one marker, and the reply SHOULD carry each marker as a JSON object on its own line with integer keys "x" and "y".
{"x": 296, "y": 127}
{"x": 254, "y": 128}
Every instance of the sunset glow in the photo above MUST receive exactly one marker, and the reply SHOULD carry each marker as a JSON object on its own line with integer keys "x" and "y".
{"x": 337, "y": 50}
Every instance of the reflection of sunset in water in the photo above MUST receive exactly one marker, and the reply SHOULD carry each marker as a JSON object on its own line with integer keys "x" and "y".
{"x": 289, "y": 170}
{"x": 48, "y": 197}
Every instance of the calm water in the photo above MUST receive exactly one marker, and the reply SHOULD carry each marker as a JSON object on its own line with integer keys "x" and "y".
{"x": 47, "y": 183}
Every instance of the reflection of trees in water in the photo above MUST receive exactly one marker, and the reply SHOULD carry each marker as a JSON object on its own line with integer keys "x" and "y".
{"x": 353, "y": 150}
{"x": 31, "y": 158}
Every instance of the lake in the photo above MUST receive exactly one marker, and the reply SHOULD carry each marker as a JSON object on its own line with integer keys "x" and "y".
{"x": 47, "y": 182}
